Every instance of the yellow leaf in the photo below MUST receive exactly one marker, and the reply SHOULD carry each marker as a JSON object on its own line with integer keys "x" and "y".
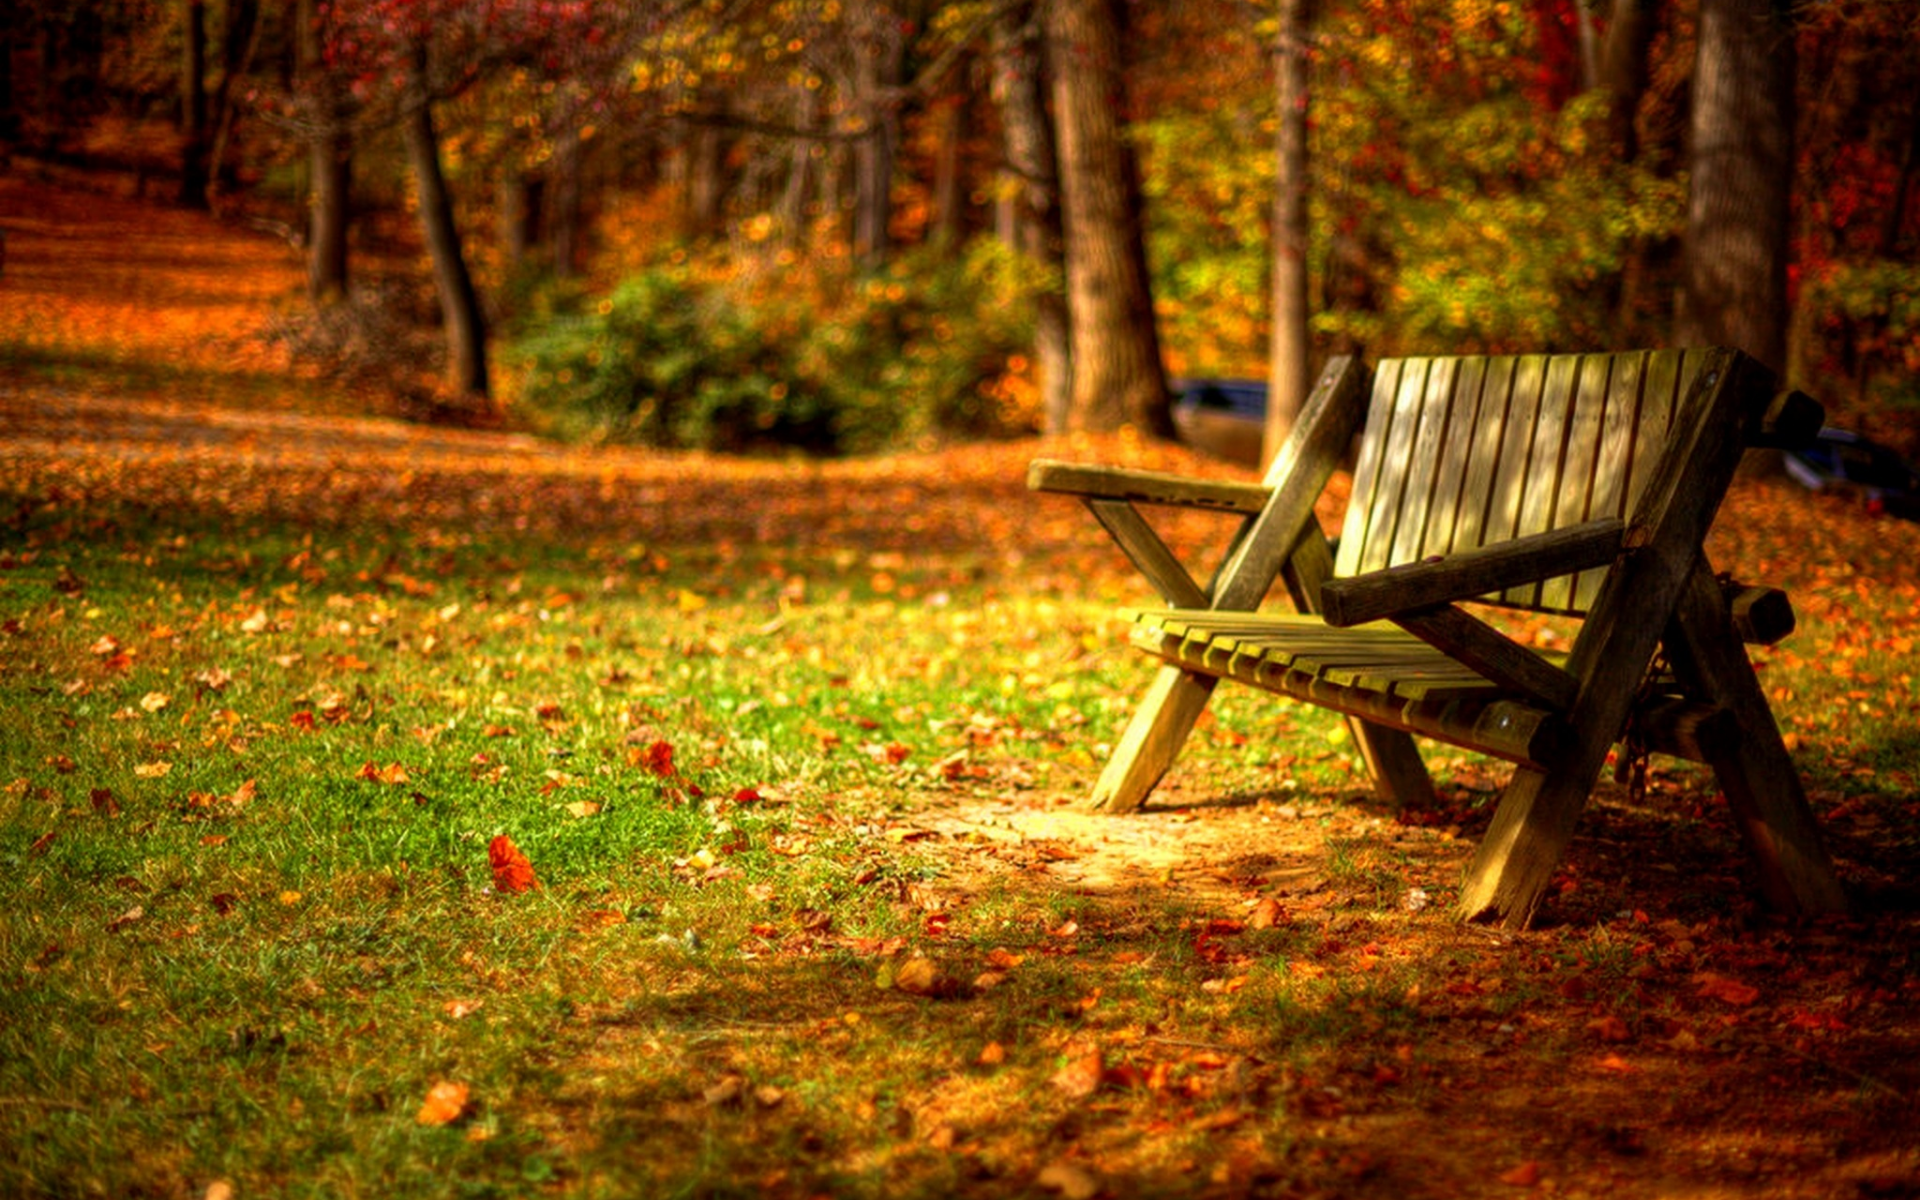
{"x": 152, "y": 770}
{"x": 583, "y": 808}
{"x": 155, "y": 701}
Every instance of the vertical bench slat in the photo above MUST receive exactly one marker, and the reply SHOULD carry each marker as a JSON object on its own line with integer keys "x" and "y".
{"x": 1463, "y": 426}
{"x": 1368, "y": 471}
{"x": 1618, "y": 448}
{"x": 1483, "y": 460}
{"x": 1587, "y": 410}
{"x": 1516, "y": 447}
{"x": 1383, "y": 519}
{"x": 1540, "y": 485}
{"x": 1418, "y": 498}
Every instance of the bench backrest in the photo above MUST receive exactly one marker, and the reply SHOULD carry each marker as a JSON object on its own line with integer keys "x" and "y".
{"x": 1463, "y": 452}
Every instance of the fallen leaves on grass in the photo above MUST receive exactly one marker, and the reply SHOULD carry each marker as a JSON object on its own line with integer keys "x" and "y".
{"x": 512, "y": 873}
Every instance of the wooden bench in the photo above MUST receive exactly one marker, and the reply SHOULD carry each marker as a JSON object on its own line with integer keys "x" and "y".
{"x": 1581, "y": 485}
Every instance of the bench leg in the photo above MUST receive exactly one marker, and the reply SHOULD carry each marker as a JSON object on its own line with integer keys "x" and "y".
{"x": 1152, "y": 739}
{"x": 1530, "y": 831}
{"x": 1393, "y": 759}
{"x": 1755, "y": 771}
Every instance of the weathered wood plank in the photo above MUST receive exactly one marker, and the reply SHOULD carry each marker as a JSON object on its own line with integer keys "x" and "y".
{"x": 1516, "y": 450}
{"x": 1587, "y": 400}
{"x": 1761, "y": 615}
{"x": 1454, "y": 456}
{"x": 1368, "y": 465}
{"x": 1792, "y": 421}
{"x": 1145, "y": 487}
{"x": 1545, "y": 460}
{"x": 1152, "y": 739}
{"x": 1498, "y": 566}
{"x": 1148, "y": 553}
{"x": 1419, "y": 496}
{"x": 1614, "y": 461}
{"x": 1484, "y": 460}
{"x": 1384, "y": 508}
{"x": 1463, "y": 637}
{"x": 1756, "y": 773}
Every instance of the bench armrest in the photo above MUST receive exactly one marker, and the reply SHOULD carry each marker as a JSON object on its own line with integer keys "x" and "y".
{"x": 1145, "y": 487}
{"x": 1478, "y": 572}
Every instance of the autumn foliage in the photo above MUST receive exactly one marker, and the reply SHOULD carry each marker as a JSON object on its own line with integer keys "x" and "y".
{"x": 798, "y": 897}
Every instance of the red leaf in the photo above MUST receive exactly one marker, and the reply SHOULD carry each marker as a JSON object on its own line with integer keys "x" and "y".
{"x": 512, "y": 873}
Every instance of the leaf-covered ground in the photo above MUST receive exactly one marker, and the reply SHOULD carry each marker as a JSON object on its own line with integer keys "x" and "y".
{"x": 388, "y": 810}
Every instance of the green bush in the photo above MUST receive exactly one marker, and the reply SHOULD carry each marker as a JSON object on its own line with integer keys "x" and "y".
{"x": 676, "y": 358}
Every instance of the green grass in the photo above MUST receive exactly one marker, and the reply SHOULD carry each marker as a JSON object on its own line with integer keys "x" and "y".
{"x": 255, "y": 964}
{"x": 243, "y": 967}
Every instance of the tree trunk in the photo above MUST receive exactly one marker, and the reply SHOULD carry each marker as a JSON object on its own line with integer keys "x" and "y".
{"x": 9, "y": 114}
{"x": 330, "y": 163}
{"x": 522, "y": 196}
{"x": 1118, "y": 378}
{"x": 465, "y": 323}
{"x": 793, "y": 196}
{"x": 1742, "y": 173}
{"x": 1033, "y": 208}
{"x": 330, "y": 159}
{"x": 237, "y": 45}
{"x": 949, "y": 172}
{"x": 193, "y": 107}
{"x": 1291, "y": 369}
{"x": 879, "y": 56}
{"x": 563, "y": 208}
{"x": 1625, "y": 71}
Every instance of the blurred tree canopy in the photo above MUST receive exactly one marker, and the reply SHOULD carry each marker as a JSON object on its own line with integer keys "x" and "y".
{"x": 1482, "y": 175}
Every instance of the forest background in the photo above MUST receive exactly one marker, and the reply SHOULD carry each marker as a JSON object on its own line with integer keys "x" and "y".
{"x": 390, "y": 808}
{"x": 848, "y": 224}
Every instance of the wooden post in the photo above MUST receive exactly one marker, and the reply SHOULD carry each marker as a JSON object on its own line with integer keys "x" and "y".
{"x": 1755, "y": 771}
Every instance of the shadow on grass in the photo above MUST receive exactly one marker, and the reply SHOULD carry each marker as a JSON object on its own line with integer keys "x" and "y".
{"x": 1349, "y": 1049}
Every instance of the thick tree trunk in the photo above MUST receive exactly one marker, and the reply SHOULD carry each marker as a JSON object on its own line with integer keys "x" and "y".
{"x": 1032, "y": 220}
{"x": 1742, "y": 174}
{"x": 193, "y": 107}
{"x": 1625, "y": 71}
{"x": 465, "y": 323}
{"x": 1291, "y": 369}
{"x": 330, "y": 160}
{"x": 1118, "y": 378}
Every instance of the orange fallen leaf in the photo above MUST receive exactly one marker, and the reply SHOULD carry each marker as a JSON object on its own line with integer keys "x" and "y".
{"x": 512, "y": 873}
{"x": 1727, "y": 991}
{"x": 1081, "y": 1075}
{"x": 446, "y": 1102}
{"x": 1527, "y": 1174}
{"x": 392, "y": 773}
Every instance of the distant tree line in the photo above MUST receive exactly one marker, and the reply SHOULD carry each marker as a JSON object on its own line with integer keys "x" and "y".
{"x": 1194, "y": 186}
